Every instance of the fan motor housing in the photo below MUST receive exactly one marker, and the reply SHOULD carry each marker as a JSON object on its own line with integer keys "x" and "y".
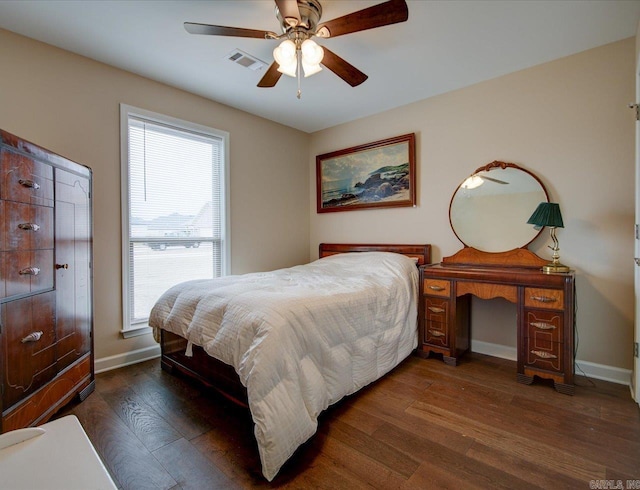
{"x": 310, "y": 14}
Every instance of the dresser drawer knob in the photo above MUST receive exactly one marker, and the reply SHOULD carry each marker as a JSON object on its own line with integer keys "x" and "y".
{"x": 62, "y": 266}
{"x": 436, "y": 288}
{"x": 437, "y": 333}
{"x": 435, "y": 309}
{"x": 29, "y": 271}
{"x": 29, "y": 183}
{"x": 543, "y": 299}
{"x": 32, "y": 337}
{"x": 29, "y": 226}
{"x": 542, "y": 325}
{"x": 544, "y": 355}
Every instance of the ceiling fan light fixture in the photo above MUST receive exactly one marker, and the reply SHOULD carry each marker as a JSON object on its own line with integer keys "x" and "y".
{"x": 285, "y": 53}
{"x": 286, "y": 57}
{"x": 310, "y": 69}
{"x": 312, "y": 54}
{"x": 289, "y": 69}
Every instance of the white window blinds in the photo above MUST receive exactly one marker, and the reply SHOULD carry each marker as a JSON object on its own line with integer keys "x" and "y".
{"x": 175, "y": 210}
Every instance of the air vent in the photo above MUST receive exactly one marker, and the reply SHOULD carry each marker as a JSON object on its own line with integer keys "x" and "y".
{"x": 246, "y": 60}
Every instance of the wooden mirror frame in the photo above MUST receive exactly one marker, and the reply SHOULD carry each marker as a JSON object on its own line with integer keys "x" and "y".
{"x": 517, "y": 257}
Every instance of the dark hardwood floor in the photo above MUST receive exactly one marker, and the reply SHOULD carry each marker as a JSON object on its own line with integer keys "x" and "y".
{"x": 424, "y": 425}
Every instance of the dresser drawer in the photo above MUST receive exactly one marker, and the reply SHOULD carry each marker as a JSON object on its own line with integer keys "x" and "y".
{"x": 26, "y": 226}
{"x": 544, "y": 298}
{"x": 25, "y": 180}
{"x": 27, "y": 271}
{"x": 544, "y": 325}
{"x": 28, "y": 346}
{"x": 437, "y": 287}
{"x": 543, "y": 354}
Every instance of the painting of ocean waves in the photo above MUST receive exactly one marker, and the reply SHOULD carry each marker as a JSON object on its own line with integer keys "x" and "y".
{"x": 376, "y": 174}
{"x": 388, "y": 183}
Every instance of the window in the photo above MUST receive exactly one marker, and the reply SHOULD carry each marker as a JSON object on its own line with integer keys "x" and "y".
{"x": 174, "y": 208}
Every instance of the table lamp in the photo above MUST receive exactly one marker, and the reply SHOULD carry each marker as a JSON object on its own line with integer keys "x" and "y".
{"x": 548, "y": 214}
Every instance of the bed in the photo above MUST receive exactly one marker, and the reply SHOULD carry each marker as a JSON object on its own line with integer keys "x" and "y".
{"x": 291, "y": 342}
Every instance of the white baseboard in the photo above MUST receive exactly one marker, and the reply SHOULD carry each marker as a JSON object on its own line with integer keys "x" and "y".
{"x": 591, "y": 369}
{"x": 120, "y": 360}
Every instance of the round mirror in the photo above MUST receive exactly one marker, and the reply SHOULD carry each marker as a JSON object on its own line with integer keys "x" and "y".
{"x": 490, "y": 209}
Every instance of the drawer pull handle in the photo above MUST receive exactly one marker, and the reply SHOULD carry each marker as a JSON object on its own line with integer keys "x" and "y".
{"x": 32, "y": 337}
{"x": 437, "y": 333}
{"x": 29, "y": 271}
{"x": 543, "y": 299}
{"x": 29, "y": 226}
{"x": 436, "y": 288}
{"x": 542, "y": 325}
{"x": 29, "y": 183}
{"x": 435, "y": 309}
{"x": 543, "y": 354}
{"x": 62, "y": 266}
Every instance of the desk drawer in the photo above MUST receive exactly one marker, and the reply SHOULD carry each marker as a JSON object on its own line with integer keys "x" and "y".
{"x": 543, "y": 354}
{"x": 544, "y": 325}
{"x": 436, "y": 310}
{"x": 436, "y": 330}
{"x": 437, "y": 287}
{"x": 552, "y": 299}
{"x": 436, "y": 333}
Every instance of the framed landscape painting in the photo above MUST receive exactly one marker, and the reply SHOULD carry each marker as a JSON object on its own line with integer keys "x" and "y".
{"x": 374, "y": 175}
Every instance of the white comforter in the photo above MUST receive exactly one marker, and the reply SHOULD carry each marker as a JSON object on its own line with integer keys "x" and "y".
{"x": 300, "y": 338}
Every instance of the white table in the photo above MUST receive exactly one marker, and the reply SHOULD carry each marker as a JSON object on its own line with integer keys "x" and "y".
{"x": 56, "y": 455}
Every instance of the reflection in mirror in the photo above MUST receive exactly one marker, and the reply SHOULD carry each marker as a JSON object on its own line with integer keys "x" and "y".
{"x": 489, "y": 210}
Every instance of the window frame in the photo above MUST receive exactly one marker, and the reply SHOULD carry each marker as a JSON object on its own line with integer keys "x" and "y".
{"x": 126, "y": 111}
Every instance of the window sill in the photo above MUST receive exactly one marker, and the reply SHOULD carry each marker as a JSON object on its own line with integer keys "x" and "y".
{"x": 142, "y": 329}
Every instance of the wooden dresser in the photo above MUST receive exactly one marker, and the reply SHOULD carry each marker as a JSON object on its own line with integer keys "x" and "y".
{"x": 46, "y": 344}
{"x": 545, "y": 315}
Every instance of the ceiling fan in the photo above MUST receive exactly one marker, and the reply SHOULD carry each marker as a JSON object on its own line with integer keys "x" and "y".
{"x": 476, "y": 180}
{"x": 299, "y": 20}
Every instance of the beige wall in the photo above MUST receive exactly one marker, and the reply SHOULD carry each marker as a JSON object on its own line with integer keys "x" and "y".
{"x": 70, "y": 105}
{"x": 568, "y": 122}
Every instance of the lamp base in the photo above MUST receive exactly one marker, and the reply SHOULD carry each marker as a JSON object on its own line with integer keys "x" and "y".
{"x": 555, "y": 267}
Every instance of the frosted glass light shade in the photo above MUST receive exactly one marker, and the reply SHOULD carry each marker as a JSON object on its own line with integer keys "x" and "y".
{"x": 285, "y": 56}
{"x": 310, "y": 69}
{"x": 312, "y": 54}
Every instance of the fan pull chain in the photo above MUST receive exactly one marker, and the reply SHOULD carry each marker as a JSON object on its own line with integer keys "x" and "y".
{"x": 298, "y": 56}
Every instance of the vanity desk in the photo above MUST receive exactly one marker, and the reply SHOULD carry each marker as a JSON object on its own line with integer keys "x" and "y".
{"x": 544, "y": 301}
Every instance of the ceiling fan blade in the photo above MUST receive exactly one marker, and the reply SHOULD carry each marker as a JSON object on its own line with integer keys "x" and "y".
{"x": 383, "y": 14}
{"x": 342, "y": 68}
{"x": 271, "y": 77}
{"x": 289, "y": 11}
{"x": 194, "y": 28}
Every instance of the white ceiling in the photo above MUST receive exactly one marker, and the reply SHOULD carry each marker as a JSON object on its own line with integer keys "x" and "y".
{"x": 445, "y": 45}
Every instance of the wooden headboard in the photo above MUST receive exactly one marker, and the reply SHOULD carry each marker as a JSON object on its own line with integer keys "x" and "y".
{"x": 422, "y": 252}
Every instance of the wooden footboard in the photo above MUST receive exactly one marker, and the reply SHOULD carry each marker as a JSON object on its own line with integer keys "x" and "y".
{"x": 222, "y": 377}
